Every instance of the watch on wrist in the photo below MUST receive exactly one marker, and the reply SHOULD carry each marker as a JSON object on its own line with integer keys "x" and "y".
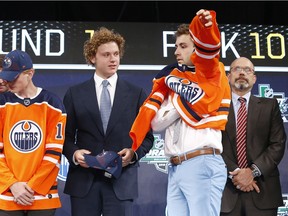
{"x": 255, "y": 171}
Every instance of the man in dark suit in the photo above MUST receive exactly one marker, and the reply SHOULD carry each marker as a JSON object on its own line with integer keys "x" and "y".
{"x": 254, "y": 187}
{"x": 92, "y": 191}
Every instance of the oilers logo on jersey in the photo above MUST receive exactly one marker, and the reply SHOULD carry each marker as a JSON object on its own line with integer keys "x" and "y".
{"x": 190, "y": 91}
{"x": 25, "y": 136}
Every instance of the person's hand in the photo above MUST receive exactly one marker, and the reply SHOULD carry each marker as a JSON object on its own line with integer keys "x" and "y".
{"x": 251, "y": 187}
{"x": 243, "y": 180}
{"x": 79, "y": 157}
{"x": 242, "y": 177}
{"x": 205, "y": 17}
{"x": 127, "y": 155}
{"x": 23, "y": 194}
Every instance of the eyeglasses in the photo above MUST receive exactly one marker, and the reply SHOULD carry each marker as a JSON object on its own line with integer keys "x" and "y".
{"x": 239, "y": 69}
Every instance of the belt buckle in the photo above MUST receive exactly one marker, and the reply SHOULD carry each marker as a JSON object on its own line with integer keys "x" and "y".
{"x": 179, "y": 159}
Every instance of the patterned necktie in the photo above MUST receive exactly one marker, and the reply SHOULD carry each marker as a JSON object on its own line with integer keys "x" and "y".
{"x": 105, "y": 105}
{"x": 241, "y": 133}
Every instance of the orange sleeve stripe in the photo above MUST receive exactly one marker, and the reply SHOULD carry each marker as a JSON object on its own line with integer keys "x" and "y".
{"x": 206, "y": 39}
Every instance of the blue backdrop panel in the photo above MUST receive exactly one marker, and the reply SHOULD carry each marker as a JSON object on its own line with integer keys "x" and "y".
{"x": 153, "y": 167}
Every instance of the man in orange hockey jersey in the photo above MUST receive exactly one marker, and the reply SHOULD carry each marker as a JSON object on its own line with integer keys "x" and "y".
{"x": 31, "y": 140}
{"x": 190, "y": 102}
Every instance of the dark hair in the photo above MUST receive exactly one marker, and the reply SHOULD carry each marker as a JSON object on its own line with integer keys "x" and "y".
{"x": 2, "y": 56}
{"x": 182, "y": 29}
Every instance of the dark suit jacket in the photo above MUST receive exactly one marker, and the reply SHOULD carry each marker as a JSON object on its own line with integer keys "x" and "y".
{"x": 265, "y": 147}
{"x": 83, "y": 115}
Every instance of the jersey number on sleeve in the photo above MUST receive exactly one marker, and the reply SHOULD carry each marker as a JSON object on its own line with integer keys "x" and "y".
{"x": 59, "y": 131}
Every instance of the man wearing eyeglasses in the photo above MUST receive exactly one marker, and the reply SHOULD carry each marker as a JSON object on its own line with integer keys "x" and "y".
{"x": 253, "y": 146}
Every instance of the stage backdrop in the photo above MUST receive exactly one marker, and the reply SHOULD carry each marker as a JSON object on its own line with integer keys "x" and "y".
{"x": 57, "y": 52}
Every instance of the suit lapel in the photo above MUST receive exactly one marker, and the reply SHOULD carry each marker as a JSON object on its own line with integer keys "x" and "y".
{"x": 89, "y": 100}
{"x": 252, "y": 118}
{"x": 231, "y": 128}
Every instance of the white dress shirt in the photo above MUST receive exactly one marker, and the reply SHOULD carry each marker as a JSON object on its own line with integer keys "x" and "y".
{"x": 189, "y": 138}
{"x": 111, "y": 87}
{"x": 236, "y": 102}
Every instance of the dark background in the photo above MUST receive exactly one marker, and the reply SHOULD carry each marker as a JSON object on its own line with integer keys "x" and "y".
{"x": 232, "y": 12}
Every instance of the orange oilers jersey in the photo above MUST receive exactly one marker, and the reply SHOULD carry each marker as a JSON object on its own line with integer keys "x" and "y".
{"x": 31, "y": 142}
{"x": 202, "y": 97}
{"x": 201, "y": 104}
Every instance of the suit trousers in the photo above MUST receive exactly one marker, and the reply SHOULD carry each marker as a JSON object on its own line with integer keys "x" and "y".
{"x": 245, "y": 207}
{"x": 101, "y": 201}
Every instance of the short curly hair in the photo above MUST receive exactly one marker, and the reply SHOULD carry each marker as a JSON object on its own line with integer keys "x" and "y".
{"x": 102, "y": 36}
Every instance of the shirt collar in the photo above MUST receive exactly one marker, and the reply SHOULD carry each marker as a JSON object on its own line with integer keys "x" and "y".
{"x": 235, "y": 97}
{"x": 112, "y": 80}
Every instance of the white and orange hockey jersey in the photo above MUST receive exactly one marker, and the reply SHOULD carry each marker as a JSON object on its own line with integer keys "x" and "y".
{"x": 31, "y": 141}
{"x": 201, "y": 97}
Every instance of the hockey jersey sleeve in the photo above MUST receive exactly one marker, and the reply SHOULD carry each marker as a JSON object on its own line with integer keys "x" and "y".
{"x": 207, "y": 46}
{"x": 210, "y": 72}
{"x": 151, "y": 105}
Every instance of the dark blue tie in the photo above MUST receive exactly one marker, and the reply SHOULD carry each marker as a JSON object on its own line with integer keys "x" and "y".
{"x": 105, "y": 105}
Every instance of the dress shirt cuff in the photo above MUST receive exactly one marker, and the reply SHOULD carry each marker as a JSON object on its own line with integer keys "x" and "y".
{"x": 231, "y": 176}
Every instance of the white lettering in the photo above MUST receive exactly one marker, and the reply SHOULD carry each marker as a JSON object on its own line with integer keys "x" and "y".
{"x": 25, "y": 35}
{"x": 48, "y": 35}
{"x": 14, "y": 40}
{"x": 229, "y": 44}
{"x": 34, "y": 42}
{"x": 165, "y": 42}
{"x": 14, "y": 34}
